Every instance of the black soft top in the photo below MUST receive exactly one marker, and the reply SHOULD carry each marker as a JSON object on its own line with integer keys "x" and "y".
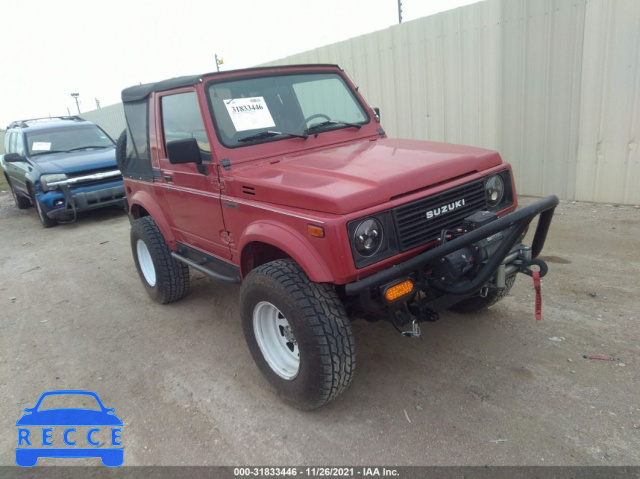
{"x": 140, "y": 92}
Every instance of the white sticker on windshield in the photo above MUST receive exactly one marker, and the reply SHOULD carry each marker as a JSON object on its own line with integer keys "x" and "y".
{"x": 249, "y": 113}
{"x": 41, "y": 146}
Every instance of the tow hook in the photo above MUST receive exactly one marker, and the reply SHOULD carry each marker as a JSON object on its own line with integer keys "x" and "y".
{"x": 525, "y": 268}
{"x": 414, "y": 332}
{"x": 416, "y": 313}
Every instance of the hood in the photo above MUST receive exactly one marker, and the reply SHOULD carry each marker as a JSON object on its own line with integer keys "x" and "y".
{"x": 349, "y": 178}
{"x": 76, "y": 161}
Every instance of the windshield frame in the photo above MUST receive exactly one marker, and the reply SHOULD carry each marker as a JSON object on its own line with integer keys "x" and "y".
{"x": 271, "y": 74}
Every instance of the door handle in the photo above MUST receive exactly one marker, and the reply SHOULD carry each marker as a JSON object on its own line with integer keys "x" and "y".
{"x": 168, "y": 178}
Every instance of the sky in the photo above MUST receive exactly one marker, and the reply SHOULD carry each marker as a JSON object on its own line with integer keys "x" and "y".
{"x": 52, "y": 48}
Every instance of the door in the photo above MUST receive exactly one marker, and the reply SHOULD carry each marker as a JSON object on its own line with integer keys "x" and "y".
{"x": 17, "y": 171}
{"x": 192, "y": 197}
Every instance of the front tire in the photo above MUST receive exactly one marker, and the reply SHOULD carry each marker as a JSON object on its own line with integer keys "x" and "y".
{"x": 42, "y": 216}
{"x": 165, "y": 278}
{"x": 298, "y": 334}
{"x": 475, "y": 304}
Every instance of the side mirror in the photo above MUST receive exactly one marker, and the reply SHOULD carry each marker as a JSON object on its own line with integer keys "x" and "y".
{"x": 376, "y": 110}
{"x": 186, "y": 150}
{"x": 14, "y": 158}
{"x": 183, "y": 151}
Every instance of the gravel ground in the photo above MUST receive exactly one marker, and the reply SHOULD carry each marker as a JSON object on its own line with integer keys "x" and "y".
{"x": 494, "y": 388}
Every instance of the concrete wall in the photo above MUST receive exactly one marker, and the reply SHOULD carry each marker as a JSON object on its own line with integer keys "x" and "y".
{"x": 110, "y": 118}
{"x": 554, "y": 85}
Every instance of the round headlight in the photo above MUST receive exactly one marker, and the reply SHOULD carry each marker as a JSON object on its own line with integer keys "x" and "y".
{"x": 368, "y": 237}
{"x": 494, "y": 188}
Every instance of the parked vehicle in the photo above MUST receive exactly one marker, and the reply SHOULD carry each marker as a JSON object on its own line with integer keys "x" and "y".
{"x": 282, "y": 178}
{"x": 61, "y": 165}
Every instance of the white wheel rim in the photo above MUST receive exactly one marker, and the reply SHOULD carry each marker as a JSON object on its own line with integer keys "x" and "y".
{"x": 146, "y": 263}
{"x": 276, "y": 341}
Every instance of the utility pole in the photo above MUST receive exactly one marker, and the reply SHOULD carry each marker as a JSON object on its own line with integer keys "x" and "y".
{"x": 399, "y": 11}
{"x": 75, "y": 96}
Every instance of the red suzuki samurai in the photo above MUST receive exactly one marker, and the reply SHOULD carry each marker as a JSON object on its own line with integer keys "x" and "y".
{"x": 282, "y": 179}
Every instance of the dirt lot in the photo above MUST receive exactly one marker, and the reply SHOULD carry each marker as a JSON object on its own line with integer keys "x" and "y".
{"x": 486, "y": 389}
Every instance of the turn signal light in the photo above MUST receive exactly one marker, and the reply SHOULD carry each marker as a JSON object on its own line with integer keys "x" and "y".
{"x": 315, "y": 231}
{"x": 398, "y": 290}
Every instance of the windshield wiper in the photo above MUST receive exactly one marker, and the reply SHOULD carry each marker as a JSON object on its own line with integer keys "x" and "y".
{"x": 46, "y": 152}
{"x": 89, "y": 147}
{"x": 269, "y": 134}
{"x": 332, "y": 122}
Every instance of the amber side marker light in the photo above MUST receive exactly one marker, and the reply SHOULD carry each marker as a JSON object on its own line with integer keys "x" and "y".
{"x": 399, "y": 290}
{"x": 315, "y": 231}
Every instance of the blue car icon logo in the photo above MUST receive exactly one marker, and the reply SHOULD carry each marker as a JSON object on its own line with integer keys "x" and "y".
{"x": 74, "y": 427}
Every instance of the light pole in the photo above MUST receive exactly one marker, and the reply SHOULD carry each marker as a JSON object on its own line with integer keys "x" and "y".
{"x": 218, "y": 63}
{"x": 75, "y": 97}
{"x": 399, "y": 11}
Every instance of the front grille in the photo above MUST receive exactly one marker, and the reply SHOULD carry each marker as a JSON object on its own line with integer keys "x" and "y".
{"x": 91, "y": 182}
{"x": 415, "y": 229}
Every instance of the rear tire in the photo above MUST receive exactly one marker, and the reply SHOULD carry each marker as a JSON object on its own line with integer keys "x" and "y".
{"x": 22, "y": 203}
{"x": 298, "y": 333}
{"x": 165, "y": 278}
{"x": 478, "y": 303}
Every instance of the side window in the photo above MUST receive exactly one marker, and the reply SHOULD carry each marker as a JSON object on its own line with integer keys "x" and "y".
{"x": 11, "y": 142}
{"x": 7, "y": 139}
{"x": 181, "y": 119}
{"x": 19, "y": 144}
{"x": 137, "y": 161}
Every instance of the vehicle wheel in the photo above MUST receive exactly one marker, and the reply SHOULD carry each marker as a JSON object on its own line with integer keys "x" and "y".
{"x": 121, "y": 149}
{"x": 44, "y": 219}
{"x": 478, "y": 303}
{"x": 298, "y": 334}
{"x": 21, "y": 202}
{"x": 165, "y": 278}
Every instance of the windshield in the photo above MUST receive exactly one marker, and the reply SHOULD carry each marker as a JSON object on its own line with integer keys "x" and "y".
{"x": 74, "y": 138}
{"x": 273, "y": 108}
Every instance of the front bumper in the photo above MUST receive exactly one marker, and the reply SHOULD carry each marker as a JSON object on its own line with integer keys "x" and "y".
{"x": 65, "y": 200}
{"x": 513, "y": 226}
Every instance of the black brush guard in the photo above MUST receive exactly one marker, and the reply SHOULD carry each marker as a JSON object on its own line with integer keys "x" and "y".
{"x": 514, "y": 224}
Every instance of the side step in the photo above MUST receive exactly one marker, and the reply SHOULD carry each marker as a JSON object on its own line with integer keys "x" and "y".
{"x": 209, "y": 265}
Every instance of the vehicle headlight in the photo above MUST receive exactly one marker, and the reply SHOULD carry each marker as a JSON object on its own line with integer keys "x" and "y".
{"x": 48, "y": 181}
{"x": 494, "y": 189}
{"x": 368, "y": 237}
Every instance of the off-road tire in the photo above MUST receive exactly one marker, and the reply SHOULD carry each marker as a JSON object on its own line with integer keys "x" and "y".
{"x": 319, "y": 323}
{"x": 42, "y": 216}
{"x": 478, "y": 303}
{"x": 171, "y": 276}
{"x": 22, "y": 203}
{"x": 121, "y": 149}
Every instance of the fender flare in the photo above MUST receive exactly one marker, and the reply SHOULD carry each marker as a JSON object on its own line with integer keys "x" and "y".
{"x": 146, "y": 201}
{"x": 291, "y": 242}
